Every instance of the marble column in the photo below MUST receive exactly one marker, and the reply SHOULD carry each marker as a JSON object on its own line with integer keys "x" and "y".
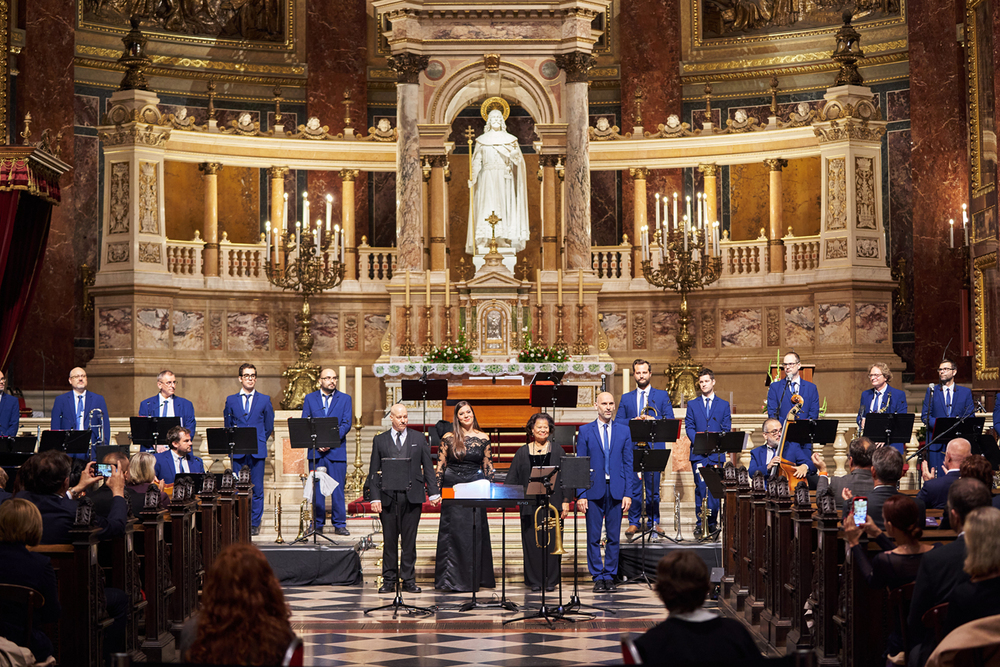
{"x": 776, "y": 246}
{"x": 347, "y": 178}
{"x": 639, "y": 176}
{"x": 409, "y": 241}
{"x": 711, "y": 175}
{"x": 550, "y": 239}
{"x": 210, "y": 231}
{"x": 439, "y": 197}
{"x": 425, "y": 210}
{"x": 276, "y": 176}
{"x": 576, "y": 65}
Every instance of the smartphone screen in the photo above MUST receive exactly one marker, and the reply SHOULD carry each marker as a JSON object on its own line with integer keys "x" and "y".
{"x": 860, "y": 510}
{"x": 105, "y": 469}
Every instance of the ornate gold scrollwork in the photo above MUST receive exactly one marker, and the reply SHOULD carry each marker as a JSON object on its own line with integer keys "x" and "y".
{"x": 982, "y": 312}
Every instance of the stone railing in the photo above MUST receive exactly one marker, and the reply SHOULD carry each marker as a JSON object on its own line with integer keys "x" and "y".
{"x": 801, "y": 253}
{"x": 744, "y": 258}
{"x": 184, "y": 258}
{"x": 242, "y": 260}
{"x": 612, "y": 262}
{"x": 375, "y": 265}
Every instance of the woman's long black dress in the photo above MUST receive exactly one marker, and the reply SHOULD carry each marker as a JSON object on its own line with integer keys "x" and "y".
{"x": 458, "y": 545}
{"x": 520, "y": 474}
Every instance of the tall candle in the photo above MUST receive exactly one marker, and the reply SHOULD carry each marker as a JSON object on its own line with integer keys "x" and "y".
{"x": 329, "y": 211}
{"x": 624, "y": 381}
{"x": 538, "y": 286}
{"x": 697, "y": 225}
{"x": 447, "y": 288}
{"x": 579, "y": 290}
{"x": 686, "y": 220}
{"x": 298, "y": 237}
{"x": 316, "y": 232}
{"x": 657, "y": 209}
{"x": 305, "y": 210}
{"x": 407, "y": 287}
{"x": 427, "y": 287}
{"x": 951, "y": 233}
{"x": 267, "y": 241}
{"x": 965, "y": 222}
{"x": 357, "y": 391}
{"x": 559, "y": 300}
{"x": 284, "y": 219}
{"x": 342, "y": 379}
{"x": 666, "y": 221}
{"x": 675, "y": 212}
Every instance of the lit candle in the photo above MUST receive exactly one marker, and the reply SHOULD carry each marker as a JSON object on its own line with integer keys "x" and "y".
{"x": 579, "y": 290}
{"x": 675, "y": 212}
{"x": 427, "y": 287}
{"x": 316, "y": 232}
{"x": 337, "y": 238}
{"x": 538, "y": 286}
{"x": 559, "y": 300}
{"x": 343, "y": 246}
{"x": 688, "y": 217}
{"x": 657, "y": 210}
{"x": 708, "y": 230}
{"x": 407, "y": 287}
{"x": 666, "y": 221}
{"x": 698, "y": 210}
{"x": 357, "y": 391}
{"x": 624, "y": 381}
{"x": 267, "y": 241}
{"x": 951, "y": 233}
{"x": 965, "y": 222}
{"x": 305, "y": 210}
{"x": 447, "y": 288}
{"x": 686, "y": 227}
{"x": 329, "y": 211}
{"x": 298, "y": 236}
{"x": 284, "y": 219}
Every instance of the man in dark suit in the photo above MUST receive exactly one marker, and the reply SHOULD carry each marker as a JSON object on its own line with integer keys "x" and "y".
{"x": 71, "y": 411}
{"x": 400, "y": 442}
{"x": 609, "y": 447}
{"x": 10, "y": 410}
{"x": 328, "y": 402}
{"x": 706, "y": 414}
{"x": 779, "y": 404}
{"x": 945, "y": 399}
{"x": 765, "y": 457}
{"x": 887, "y": 469}
{"x": 934, "y": 492}
{"x": 882, "y": 398}
{"x": 858, "y": 481}
{"x": 634, "y": 406}
{"x": 941, "y": 569}
{"x": 178, "y": 458}
{"x": 249, "y": 408}
{"x": 166, "y": 404}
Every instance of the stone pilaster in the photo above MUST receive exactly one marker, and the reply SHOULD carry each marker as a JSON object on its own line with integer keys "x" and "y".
{"x": 347, "y": 179}
{"x": 210, "y": 229}
{"x": 640, "y": 213}
{"x": 409, "y": 175}
{"x": 576, "y": 65}
{"x": 776, "y": 246}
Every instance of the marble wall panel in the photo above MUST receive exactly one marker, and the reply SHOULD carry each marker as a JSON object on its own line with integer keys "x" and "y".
{"x": 189, "y": 330}
{"x": 663, "y": 328}
{"x": 615, "y": 325}
{"x": 374, "y": 328}
{"x": 740, "y": 327}
{"x": 326, "y": 332}
{"x": 86, "y": 110}
{"x": 872, "y": 322}
{"x": 152, "y": 328}
{"x": 247, "y": 332}
{"x": 900, "y": 223}
{"x": 215, "y": 332}
{"x": 800, "y": 326}
{"x": 604, "y": 212}
{"x": 834, "y": 324}
{"x": 114, "y": 328}
{"x": 383, "y": 196}
{"x": 639, "y": 332}
{"x": 351, "y": 332}
{"x": 897, "y": 105}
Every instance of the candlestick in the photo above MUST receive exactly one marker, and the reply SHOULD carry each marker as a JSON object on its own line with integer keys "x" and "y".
{"x": 579, "y": 290}
{"x": 427, "y": 287}
{"x": 951, "y": 233}
{"x": 447, "y": 290}
{"x": 559, "y": 276}
{"x": 284, "y": 219}
{"x": 357, "y": 391}
{"x": 337, "y": 240}
{"x": 428, "y": 345}
{"x": 407, "y": 303}
{"x": 676, "y": 219}
{"x": 406, "y": 348}
{"x": 689, "y": 218}
{"x": 657, "y": 209}
{"x": 305, "y": 210}
{"x": 267, "y": 241}
{"x": 538, "y": 285}
{"x": 329, "y": 210}
{"x": 298, "y": 236}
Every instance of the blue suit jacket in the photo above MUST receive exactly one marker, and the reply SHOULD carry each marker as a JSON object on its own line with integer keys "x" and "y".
{"x": 934, "y": 492}
{"x": 934, "y": 407}
{"x": 10, "y": 415}
{"x": 779, "y": 400}
{"x": 165, "y": 466}
{"x": 64, "y": 414}
{"x": 895, "y": 397}
{"x": 588, "y": 443}
{"x": 628, "y": 410}
{"x": 341, "y": 407}
{"x": 260, "y": 417}
{"x": 695, "y": 421}
{"x": 758, "y": 460}
{"x": 182, "y": 408}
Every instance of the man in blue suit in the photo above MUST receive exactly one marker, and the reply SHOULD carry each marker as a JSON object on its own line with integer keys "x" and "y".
{"x": 10, "y": 411}
{"x": 706, "y": 414}
{"x": 166, "y": 404}
{"x": 328, "y": 402}
{"x": 633, "y": 406}
{"x": 177, "y": 459}
{"x": 249, "y": 408}
{"x": 882, "y": 398}
{"x": 779, "y": 404}
{"x": 945, "y": 399}
{"x": 610, "y": 450}
{"x": 765, "y": 458}
{"x": 934, "y": 492}
{"x": 71, "y": 411}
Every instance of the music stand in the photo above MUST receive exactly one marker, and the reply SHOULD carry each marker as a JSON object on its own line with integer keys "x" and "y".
{"x": 576, "y": 475}
{"x": 649, "y": 431}
{"x": 69, "y": 442}
{"x": 241, "y": 440}
{"x": 709, "y": 444}
{"x": 887, "y": 428}
{"x": 312, "y": 433}
{"x": 986, "y": 445}
{"x": 396, "y": 480}
{"x": 424, "y": 390}
{"x": 104, "y": 450}
{"x": 547, "y": 378}
{"x": 148, "y": 432}
{"x": 15, "y": 450}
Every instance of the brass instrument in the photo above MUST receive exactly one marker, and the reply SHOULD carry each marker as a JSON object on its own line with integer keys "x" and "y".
{"x": 677, "y": 515}
{"x": 884, "y": 407}
{"x": 550, "y": 521}
{"x": 705, "y": 514}
{"x": 305, "y": 519}
{"x": 277, "y": 520}
{"x": 643, "y": 413}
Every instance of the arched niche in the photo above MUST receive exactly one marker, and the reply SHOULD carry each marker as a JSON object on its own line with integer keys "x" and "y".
{"x": 467, "y": 85}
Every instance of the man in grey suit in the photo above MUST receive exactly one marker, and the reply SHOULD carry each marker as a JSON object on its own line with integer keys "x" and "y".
{"x": 401, "y": 522}
{"x": 858, "y": 481}
{"x": 887, "y": 469}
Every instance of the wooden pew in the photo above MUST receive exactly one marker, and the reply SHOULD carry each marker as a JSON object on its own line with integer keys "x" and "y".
{"x": 743, "y": 560}
{"x": 755, "y": 552}
{"x": 829, "y": 553}
{"x": 124, "y": 574}
{"x": 244, "y": 487}
{"x": 227, "y": 510}
{"x": 208, "y": 522}
{"x": 158, "y": 642}
{"x": 184, "y": 565}
{"x": 730, "y": 538}
{"x": 776, "y": 618}
{"x": 800, "y": 578}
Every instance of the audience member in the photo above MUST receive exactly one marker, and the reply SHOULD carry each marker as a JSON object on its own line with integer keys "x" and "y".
{"x": 141, "y": 470}
{"x": 859, "y": 476}
{"x": 935, "y": 490}
{"x": 980, "y": 595}
{"x": 4, "y": 493}
{"x": 691, "y": 634}
{"x": 887, "y": 468}
{"x": 102, "y": 495}
{"x": 977, "y": 467}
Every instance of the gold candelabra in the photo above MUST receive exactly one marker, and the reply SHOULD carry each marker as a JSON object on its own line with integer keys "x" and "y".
{"x": 540, "y": 313}
{"x": 447, "y": 324}
{"x": 355, "y": 482}
{"x": 429, "y": 337}
{"x": 580, "y": 346}
{"x": 309, "y": 261}
{"x": 678, "y": 270}
{"x": 407, "y": 348}
{"x": 560, "y": 343}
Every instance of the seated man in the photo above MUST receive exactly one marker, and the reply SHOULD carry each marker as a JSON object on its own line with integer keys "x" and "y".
{"x": 765, "y": 458}
{"x": 859, "y": 478}
{"x": 935, "y": 490}
{"x": 177, "y": 459}
{"x": 887, "y": 469}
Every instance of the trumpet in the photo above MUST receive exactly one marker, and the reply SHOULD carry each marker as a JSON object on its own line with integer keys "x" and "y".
{"x": 305, "y": 519}
{"x": 644, "y": 412}
{"x": 541, "y": 527}
{"x": 277, "y": 520}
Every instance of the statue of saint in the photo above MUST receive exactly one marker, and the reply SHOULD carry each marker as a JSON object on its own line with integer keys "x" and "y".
{"x": 499, "y": 183}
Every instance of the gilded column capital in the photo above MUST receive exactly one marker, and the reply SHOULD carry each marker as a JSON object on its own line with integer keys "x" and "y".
{"x": 639, "y": 173}
{"x": 408, "y": 66}
{"x": 438, "y": 161}
{"x": 277, "y": 173}
{"x": 710, "y": 169}
{"x": 576, "y": 64}
{"x": 210, "y": 168}
{"x": 547, "y": 160}
{"x": 348, "y": 174}
{"x": 776, "y": 163}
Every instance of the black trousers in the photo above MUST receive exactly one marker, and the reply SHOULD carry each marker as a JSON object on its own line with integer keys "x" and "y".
{"x": 392, "y": 565}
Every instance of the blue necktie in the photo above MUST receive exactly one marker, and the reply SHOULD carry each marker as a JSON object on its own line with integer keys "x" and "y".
{"x": 163, "y": 409}
{"x": 708, "y": 408}
{"x": 326, "y": 405}
{"x": 79, "y": 411}
{"x": 246, "y": 404}
{"x": 607, "y": 453}
{"x": 947, "y": 399}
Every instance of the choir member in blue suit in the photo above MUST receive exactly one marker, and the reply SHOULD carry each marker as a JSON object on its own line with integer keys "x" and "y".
{"x": 166, "y": 404}
{"x": 779, "y": 403}
{"x": 946, "y": 399}
{"x": 71, "y": 411}
{"x": 631, "y": 407}
{"x": 882, "y": 398}
{"x": 609, "y": 447}
{"x": 706, "y": 414}
{"x": 249, "y": 408}
{"x": 328, "y": 402}
{"x": 10, "y": 411}
{"x": 177, "y": 459}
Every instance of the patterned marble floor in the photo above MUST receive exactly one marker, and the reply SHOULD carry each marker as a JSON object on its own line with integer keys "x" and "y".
{"x": 332, "y": 623}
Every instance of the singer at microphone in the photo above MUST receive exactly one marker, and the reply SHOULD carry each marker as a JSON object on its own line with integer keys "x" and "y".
{"x": 779, "y": 404}
{"x": 72, "y": 411}
{"x": 944, "y": 399}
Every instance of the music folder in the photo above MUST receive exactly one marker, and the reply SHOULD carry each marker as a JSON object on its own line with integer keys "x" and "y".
{"x": 889, "y": 428}
{"x": 730, "y": 442}
{"x": 654, "y": 430}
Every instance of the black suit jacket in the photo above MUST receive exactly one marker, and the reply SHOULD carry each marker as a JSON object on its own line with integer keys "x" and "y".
{"x": 934, "y": 492}
{"x": 25, "y": 568}
{"x": 421, "y": 470}
{"x": 940, "y": 571}
{"x": 877, "y": 498}
{"x": 59, "y": 513}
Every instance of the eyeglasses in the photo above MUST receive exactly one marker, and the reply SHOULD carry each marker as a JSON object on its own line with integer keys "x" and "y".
{"x": 77, "y": 377}
{"x": 168, "y": 381}
{"x": 875, "y": 375}
{"x": 332, "y": 377}
{"x": 249, "y": 376}
{"x": 773, "y": 432}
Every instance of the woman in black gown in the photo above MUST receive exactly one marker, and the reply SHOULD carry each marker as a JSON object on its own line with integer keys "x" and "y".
{"x": 539, "y": 451}
{"x": 464, "y": 456}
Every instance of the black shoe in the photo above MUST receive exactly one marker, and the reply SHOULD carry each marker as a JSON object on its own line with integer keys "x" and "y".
{"x": 411, "y": 587}
{"x": 599, "y": 586}
{"x": 254, "y": 530}
{"x": 550, "y": 589}
{"x": 610, "y": 586}
{"x": 535, "y": 589}
{"x": 318, "y": 530}
{"x": 341, "y": 531}
{"x": 388, "y": 587}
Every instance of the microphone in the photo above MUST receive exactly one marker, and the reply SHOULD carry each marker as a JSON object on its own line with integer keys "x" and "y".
{"x": 604, "y": 382}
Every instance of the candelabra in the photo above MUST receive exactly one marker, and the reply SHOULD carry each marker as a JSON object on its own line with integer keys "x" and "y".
{"x": 540, "y": 310}
{"x": 560, "y": 343}
{"x": 428, "y": 345}
{"x": 309, "y": 261}
{"x": 355, "y": 482}
{"x": 679, "y": 270}
{"x": 447, "y": 324}
{"x": 580, "y": 346}
{"x": 407, "y": 348}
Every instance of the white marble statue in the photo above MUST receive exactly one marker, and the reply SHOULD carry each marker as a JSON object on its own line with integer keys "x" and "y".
{"x": 499, "y": 183}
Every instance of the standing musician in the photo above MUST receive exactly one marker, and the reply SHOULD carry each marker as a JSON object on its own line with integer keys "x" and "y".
{"x": 779, "y": 404}
{"x": 706, "y": 414}
{"x": 72, "y": 411}
{"x": 166, "y": 404}
{"x": 250, "y": 409}
{"x": 881, "y": 398}
{"x": 328, "y": 402}
{"x": 10, "y": 411}
{"x": 945, "y": 399}
{"x": 636, "y": 405}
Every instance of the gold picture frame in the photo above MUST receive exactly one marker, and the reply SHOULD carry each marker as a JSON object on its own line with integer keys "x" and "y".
{"x": 982, "y": 114}
{"x": 985, "y": 283}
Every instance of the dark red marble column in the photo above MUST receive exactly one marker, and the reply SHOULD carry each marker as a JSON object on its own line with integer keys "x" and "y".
{"x": 940, "y": 169}
{"x": 650, "y": 37}
{"x": 336, "y": 50}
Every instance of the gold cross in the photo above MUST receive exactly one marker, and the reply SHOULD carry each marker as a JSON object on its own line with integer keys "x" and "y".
{"x": 493, "y": 220}
{"x": 470, "y": 134}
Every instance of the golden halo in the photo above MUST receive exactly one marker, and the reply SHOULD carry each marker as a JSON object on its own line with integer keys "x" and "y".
{"x": 492, "y": 103}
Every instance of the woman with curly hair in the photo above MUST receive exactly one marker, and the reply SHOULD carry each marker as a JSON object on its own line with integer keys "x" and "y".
{"x": 243, "y": 618}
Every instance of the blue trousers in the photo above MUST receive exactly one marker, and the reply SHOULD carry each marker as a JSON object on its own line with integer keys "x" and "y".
{"x": 257, "y": 477}
{"x": 338, "y": 513}
{"x": 652, "y": 483}
{"x": 604, "y": 511}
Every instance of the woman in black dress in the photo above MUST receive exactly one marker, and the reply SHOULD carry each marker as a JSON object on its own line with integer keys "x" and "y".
{"x": 539, "y": 451}
{"x": 464, "y": 456}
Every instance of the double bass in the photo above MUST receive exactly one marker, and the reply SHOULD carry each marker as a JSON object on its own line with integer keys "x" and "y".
{"x": 786, "y": 468}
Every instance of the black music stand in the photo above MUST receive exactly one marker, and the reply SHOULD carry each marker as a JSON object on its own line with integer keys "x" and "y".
{"x": 641, "y": 430}
{"x": 241, "y": 440}
{"x": 15, "y": 450}
{"x": 969, "y": 427}
{"x": 646, "y": 460}
{"x": 713, "y": 443}
{"x": 986, "y": 445}
{"x": 312, "y": 433}
{"x": 69, "y": 442}
{"x": 887, "y": 428}
{"x": 148, "y": 432}
{"x": 104, "y": 450}
{"x": 713, "y": 481}
{"x": 396, "y": 480}
{"x": 554, "y": 396}
{"x": 576, "y": 475}
{"x": 424, "y": 390}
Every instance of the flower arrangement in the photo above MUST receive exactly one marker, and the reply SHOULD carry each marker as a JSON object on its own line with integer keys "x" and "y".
{"x": 537, "y": 354}
{"x": 452, "y": 353}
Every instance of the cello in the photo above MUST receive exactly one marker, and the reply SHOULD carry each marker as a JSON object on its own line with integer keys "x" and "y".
{"x": 786, "y": 468}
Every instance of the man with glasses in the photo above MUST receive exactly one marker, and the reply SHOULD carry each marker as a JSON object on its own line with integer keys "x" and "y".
{"x": 765, "y": 458}
{"x": 944, "y": 399}
{"x": 881, "y": 398}
{"x": 71, "y": 411}
{"x": 10, "y": 411}
{"x": 249, "y": 408}
{"x": 328, "y": 402}
{"x": 779, "y": 404}
{"x": 166, "y": 404}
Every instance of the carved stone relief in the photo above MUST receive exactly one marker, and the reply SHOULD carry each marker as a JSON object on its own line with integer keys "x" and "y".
{"x": 773, "y": 322}
{"x": 149, "y": 253}
{"x": 708, "y": 328}
{"x": 149, "y": 222}
{"x": 117, "y": 253}
{"x": 836, "y": 248}
{"x": 257, "y": 20}
{"x": 638, "y": 330}
{"x": 864, "y": 192}
{"x": 118, "y": 222}
{"x": 866, "y": 247}
{"x": 351, "y": 332}
{"x": 836, "y": 215}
